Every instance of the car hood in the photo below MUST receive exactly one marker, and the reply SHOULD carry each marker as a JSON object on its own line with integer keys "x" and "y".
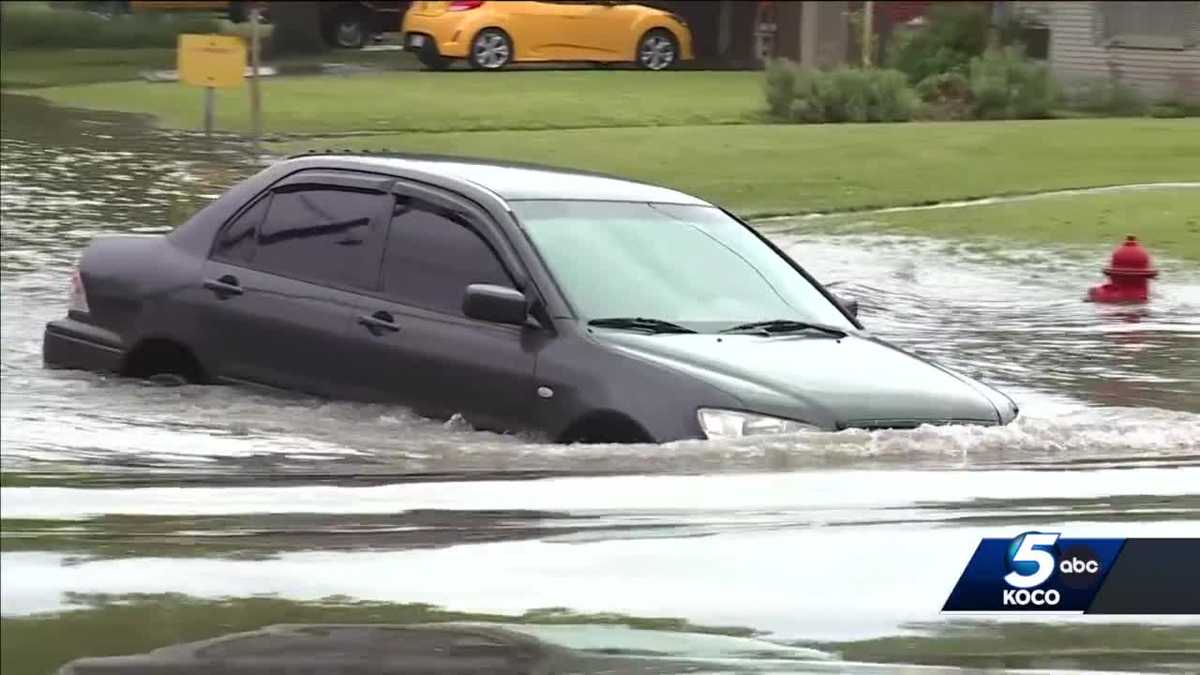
{"x": 855, "y": 381}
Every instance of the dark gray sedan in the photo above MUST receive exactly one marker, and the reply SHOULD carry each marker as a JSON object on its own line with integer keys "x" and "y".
{"x": 586, "y": 307}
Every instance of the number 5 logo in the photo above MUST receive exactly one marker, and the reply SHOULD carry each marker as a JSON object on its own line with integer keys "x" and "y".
{"x": 1031, "y": 565}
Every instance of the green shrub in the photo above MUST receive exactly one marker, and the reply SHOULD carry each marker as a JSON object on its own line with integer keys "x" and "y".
{"x": 37, "y": 25}
{"x": 1107, "y": 96}
{"x": 947, "y": 96}
{"x": 801, "y": 94}
{"x": 1006, "y": 85}
{"x": 953, "y": 34}
{"x": 780, "y": 87}
{"x": 943, "y": 87}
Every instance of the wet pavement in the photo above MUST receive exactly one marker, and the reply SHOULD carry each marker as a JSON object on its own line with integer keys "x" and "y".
{"x": 136, "y": 517}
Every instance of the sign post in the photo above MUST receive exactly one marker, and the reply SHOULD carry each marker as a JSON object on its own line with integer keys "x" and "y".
{"x": 209, "y": 100}
{"x": 255, "y": 101}
{"x": 211, "y": 61}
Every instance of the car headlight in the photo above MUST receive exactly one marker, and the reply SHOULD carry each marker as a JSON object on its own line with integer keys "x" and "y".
{"x": 718, "y": 423}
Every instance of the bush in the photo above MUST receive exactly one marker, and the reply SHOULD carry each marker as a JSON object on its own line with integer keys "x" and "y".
{"x": 1107, "y": 96}
{"x": 780, "y": 87}
{"x": 36, "y": 25}
{"x": 1006, "y": 85}
{"x": 953, "y": 34}
{"x": 947, "y": 96}
{"x": 801, "y": 94}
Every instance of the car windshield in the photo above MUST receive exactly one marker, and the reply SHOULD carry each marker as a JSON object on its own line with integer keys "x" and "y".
{"x": 684, "y": 264}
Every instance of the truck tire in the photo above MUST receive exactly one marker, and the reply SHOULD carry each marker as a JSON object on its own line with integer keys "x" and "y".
{"x": 347, "y": 28}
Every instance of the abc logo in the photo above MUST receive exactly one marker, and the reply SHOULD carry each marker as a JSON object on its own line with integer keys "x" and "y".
{"x": 1032, "y": 561}
{"x": 1079, "y": 567}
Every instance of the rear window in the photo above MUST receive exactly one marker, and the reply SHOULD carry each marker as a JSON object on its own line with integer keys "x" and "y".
{"x": 323, "y": 235}
{"x": 235, "y": 244}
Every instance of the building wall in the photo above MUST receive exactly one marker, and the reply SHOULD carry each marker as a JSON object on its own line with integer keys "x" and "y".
{"x": 1148, "y": 45}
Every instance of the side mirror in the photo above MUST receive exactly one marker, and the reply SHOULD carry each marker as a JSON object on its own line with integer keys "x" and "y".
{"x": 850, "y": 305}
{"x": 498, "y": 304}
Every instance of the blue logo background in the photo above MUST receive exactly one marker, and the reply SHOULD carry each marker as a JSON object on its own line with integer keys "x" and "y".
{"x": 981, "y": 586}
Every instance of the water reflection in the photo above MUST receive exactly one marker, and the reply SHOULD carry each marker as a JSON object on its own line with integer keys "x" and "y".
{"x": 70, "y": 177}
{"x": 1021, "y": 325}
{"x": 133, "y": 624}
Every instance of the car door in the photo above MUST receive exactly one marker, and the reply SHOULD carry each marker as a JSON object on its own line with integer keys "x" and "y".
{"x": 415, "y": 345}
{"x": 283, "y": 283}
{"x": 533, "y": 27}
{"x": 601, "y": 31}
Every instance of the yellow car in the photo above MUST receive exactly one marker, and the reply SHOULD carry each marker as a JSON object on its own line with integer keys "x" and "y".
{"x": 491, "y": 35}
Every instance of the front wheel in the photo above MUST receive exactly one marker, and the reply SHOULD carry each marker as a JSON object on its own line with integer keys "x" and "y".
{"x": 657, "y": 50}
{"x": 491, "y": 49}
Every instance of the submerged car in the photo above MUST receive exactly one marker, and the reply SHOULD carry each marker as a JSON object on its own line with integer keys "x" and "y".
{"x": 491, "y": 35}
{"x": 586, "y": 307}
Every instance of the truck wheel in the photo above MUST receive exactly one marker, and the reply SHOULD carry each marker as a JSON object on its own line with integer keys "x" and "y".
{"x": 348, "y": 29}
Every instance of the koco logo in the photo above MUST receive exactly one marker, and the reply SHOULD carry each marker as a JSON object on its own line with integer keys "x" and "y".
{"x": 1033, "y": 558}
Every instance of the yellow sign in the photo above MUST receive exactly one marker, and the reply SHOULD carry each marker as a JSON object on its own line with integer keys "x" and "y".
{"x": 212, "y": 60}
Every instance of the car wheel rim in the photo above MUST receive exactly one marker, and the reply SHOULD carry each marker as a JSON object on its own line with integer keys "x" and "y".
{"x": 349, "y": 34}
{"x": 491, "y": 50}
{"x": 657, "y": 52}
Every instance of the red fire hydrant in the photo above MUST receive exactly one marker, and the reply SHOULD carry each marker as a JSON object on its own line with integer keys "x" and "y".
{"x": 1129, "y": 275}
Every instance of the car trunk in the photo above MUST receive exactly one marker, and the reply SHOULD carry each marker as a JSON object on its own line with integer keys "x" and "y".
{"x": 429, "y": 8}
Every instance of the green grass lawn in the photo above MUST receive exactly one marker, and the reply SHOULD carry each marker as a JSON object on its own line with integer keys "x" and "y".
{"x": 37, "y": 68}
{"x": 1166, "y": 220}
{"x": 449, "y": 101}
{"x": 26, "y": 68}
{"x": 781, "y": 169}
{"x": 699, "y": 132}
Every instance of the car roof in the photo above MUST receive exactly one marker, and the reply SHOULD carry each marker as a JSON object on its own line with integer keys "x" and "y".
{"x": 514, "y": 181}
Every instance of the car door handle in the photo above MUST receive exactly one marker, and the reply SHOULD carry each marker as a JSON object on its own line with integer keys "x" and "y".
{"x": 379, "y": 321}
{"x": 225, "y": 286}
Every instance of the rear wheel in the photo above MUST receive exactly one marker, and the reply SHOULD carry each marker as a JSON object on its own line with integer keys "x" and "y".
{"x": 657, "y": 50}
{"x": 163, "y": 363}
{"x": 491, "y": 49}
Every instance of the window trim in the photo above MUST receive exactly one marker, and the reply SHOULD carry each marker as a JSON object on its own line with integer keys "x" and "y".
{"x": 486, "y": 222}
{"x": 480, "y": 224}
{"x": 316, "y": 179}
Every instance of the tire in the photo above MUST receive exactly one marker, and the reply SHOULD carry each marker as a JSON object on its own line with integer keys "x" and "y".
{"x": 348, "y": 29}
{"x": 432, "y": 60}
{"x": 657, "y": 50}
{"x": 491, "y": 49}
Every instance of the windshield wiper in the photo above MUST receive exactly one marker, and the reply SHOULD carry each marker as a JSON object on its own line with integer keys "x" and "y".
{"x": 783, "y": 326}
{"x": 640, "y": 323}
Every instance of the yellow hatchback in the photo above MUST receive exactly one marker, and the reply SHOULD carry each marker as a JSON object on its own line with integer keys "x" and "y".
{"x": 491, "y": 35}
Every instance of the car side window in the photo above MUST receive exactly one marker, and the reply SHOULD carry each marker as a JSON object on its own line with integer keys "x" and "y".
{"x": 318, "y": 234}
{"x": 235, "y": 243}
{"x": 432, "y": 255}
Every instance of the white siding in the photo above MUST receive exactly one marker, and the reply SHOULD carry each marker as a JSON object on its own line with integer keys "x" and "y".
{"x": 1078, "y": 53}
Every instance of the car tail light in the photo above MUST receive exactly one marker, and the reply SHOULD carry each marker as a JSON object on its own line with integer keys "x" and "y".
{"x": 77, "y": 301}
{"x": 464, "y": 5}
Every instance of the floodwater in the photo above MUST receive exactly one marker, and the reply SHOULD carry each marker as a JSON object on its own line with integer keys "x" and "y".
{"x": 136, "y": 517}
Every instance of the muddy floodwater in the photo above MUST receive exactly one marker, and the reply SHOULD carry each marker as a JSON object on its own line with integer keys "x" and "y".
{"x": 136, "y": 516}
